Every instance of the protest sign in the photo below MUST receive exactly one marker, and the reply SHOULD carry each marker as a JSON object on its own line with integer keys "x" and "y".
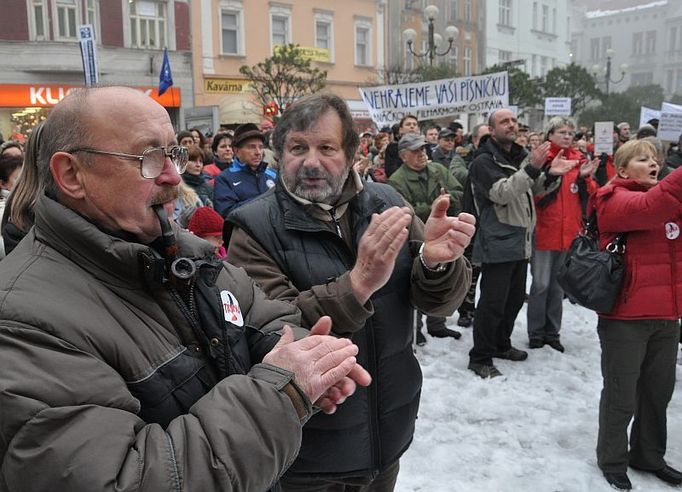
{"x": 436, "y": 98}
{"x": 558, "y": 106}
{"x": 603, "y": 137}
{"x": 88, "y": 54}
{"x": 646, "y": 114}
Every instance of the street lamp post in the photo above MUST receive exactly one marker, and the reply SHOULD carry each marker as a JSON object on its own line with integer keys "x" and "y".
{"x": 607, "y": 76}
{"x": 434, "y": 39}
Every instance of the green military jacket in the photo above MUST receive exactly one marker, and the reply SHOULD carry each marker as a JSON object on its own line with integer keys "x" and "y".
{"x": 420, "y": 190}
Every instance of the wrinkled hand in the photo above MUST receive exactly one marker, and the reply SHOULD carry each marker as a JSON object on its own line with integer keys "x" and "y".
{"x": 337, "y": 394}
{"x": 446, "y": 238}
{"x": 560, "y": 166}
{"x": 377, "y": 251}
{"x": 589, "y": 167}
{"x": 317, "y": 361}
{"x": 538, "y": 156}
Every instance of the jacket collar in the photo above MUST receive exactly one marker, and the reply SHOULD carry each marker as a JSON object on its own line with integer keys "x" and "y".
{"x": 108, "y": 258}
{"x": 238, "y": 165}
{"x": 514, "y": 157}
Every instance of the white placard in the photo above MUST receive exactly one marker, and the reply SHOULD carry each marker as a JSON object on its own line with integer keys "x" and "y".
{"x": 646, "y": 114}
{"x": 86, "y": 35}
{"x": 603, "y": 137}
{"x": 670, "y": 126}
{"x": 436, "y": 98}
{"x": 558, "y": 106}
{"x": 671, "y": 108}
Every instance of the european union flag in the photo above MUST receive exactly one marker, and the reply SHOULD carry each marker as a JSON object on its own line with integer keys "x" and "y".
{"x": 165, "y": 78}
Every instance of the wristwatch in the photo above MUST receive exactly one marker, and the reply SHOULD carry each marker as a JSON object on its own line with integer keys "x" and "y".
{"x": 439, "y": 268}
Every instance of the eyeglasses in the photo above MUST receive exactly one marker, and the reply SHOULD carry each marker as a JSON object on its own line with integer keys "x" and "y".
{"x": 151, "y": 160}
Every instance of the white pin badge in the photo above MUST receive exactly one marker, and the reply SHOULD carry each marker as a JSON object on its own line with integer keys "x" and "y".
{"x": 573, "y": 188}
{"x": 672, "y": 230}
{"x": 231, "y": 309}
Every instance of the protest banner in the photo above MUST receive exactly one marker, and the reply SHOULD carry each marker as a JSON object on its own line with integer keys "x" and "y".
{"x": 558, "y": 106}
{"x": 603, "y": 137}
{"x": 436, "y": 98}
{"x": 646, "y": 114}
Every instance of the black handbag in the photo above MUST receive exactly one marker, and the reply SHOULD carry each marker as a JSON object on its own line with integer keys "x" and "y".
{"x": 588, "y": 276}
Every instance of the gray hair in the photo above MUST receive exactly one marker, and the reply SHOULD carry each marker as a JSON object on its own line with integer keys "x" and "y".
{"x": 557, "y": 122}
{"x": 302, "y": 114}
{"x": 64, "y": 129}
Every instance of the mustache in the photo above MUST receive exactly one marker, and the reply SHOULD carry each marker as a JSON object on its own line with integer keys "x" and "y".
{"x": 312, "y": 173}
{"x": 166, "y": 194}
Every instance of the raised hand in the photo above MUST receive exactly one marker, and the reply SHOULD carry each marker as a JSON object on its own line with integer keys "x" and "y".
{"x": 561, "y": 166}
{"x": 446, "y": 238}
{"x": 538, "y": 156}
{"x": 378, "y": 250}
{"x": 589, "y": 167}
{"x": 317, "y": 361}
{"x": 337, "y": 393}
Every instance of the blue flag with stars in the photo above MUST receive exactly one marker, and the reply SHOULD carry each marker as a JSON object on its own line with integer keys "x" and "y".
{"x": 165, "y": 78}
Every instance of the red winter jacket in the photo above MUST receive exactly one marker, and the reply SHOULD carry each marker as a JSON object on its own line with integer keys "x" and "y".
{"x": 559, "y": 221}
{"x": 652, "y": 218}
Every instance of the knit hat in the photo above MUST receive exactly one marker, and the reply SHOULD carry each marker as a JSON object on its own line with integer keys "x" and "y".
{"x": 206, "y": 222}
{"x": 245, "y": 132}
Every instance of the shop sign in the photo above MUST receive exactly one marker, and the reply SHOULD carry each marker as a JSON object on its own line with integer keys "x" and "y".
{"x": 310, "y": 53}
{"x": 45, "y": 96}
{"x": 225, "y": 86}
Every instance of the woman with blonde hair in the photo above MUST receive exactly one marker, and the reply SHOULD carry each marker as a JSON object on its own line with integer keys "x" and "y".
{"x": 639, "y": 336}
{"x": 18, "y": 216}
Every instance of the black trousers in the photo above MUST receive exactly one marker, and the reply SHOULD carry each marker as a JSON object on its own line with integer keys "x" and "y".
{"x": 503, "y": 291}
{"x": 638, "y": 359}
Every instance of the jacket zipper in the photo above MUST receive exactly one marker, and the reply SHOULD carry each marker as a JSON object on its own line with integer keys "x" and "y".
{"x": 674, "y": 278}
{"x": 332, "y": 212}
{"x": 373, "y": 407}
{"x": 188, "y": 310}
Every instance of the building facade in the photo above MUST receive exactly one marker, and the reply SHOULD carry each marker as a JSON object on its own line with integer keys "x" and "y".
{"x": 41, "y": 58}
{"x": 465, "y": 55}
{"x": 347, "y": 39}
{"x": 535, "y": 35}
{"x": 645, "y": 37}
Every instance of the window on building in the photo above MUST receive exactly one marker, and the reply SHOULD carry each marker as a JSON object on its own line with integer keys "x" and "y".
{"x": 650, "y": 46}
{"x": 38, "y": 19}
{"x": 643, "y": 78}
{"x": 67, "y": 19}
{"x": 545, "y": 18}
{"x": 467, "y": 61}
{"x": 553, "y": 21}
{"x": 637, "y": 44}
{"x": 454, "y": 58}
{"x": 92, "y": 16}
{"x": 543, "y": 66}
{"x": 230, "y": 32}
{"x": 363, "y": 31}
{"x": 504, "y": 56}
{"x": 594, "y": 49}
{"x": 409, "y": 60}
{"x": 324, "y": 32}
{"x": 148, "y": 24}
{"x": 678, "y": 87}
{"x": 535, "y": 15}
{"x": 534, "y": 67}
{"x": 280, "y": 30}
{"x": 670, "y": 76}
{"x": 505, "y": 12}
{"x": 467, "y": 10}
{"x": 605, "y": 45}
{"x": 454, "y": 9}
{"x": 672, "y": 39}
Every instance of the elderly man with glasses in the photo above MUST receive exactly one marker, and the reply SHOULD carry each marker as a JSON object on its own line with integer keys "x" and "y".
{"x": 131, "y": 358}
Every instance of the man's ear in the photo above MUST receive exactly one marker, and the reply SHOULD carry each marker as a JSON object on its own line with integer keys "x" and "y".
{"x": 66, "y": 172}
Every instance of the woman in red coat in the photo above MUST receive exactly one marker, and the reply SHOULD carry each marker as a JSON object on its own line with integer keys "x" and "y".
{"x": 559, "y": 218}
{"x": 639, "y": 336}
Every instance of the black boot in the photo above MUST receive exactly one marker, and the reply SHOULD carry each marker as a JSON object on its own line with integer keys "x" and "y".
{"x": 618, "y": 480}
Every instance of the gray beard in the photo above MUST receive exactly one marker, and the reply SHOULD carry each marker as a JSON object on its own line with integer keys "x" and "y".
{"x": 329, "y": 193}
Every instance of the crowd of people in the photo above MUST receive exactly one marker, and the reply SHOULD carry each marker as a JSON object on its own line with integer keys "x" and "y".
{"x": 250, "y": 276}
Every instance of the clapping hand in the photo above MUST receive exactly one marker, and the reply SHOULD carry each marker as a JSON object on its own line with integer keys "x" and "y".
{"x": 446, "y": 238}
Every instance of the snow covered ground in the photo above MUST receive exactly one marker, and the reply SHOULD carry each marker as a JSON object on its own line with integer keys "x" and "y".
{"x": 533, "y": 429}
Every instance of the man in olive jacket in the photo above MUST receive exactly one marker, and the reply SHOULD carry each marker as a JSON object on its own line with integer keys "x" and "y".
{"x": 131, "y": 359}
{"x": 420, "y": 182}
{"x": 328, "y": 242}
